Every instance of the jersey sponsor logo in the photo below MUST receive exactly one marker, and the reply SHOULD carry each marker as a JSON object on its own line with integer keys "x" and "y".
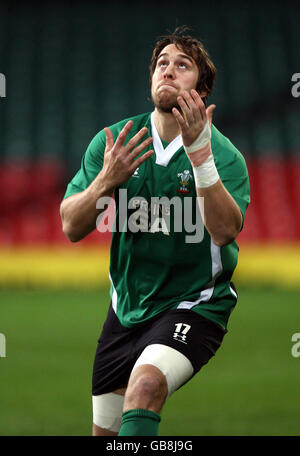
{"x": 159, "y": 215}
{"x": 181, "y": 330}
{"x": 185, "y": 178}
{"x": 150, "y": 218}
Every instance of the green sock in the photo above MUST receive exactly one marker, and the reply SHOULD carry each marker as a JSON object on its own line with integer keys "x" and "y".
{"x": 139, "y": 422}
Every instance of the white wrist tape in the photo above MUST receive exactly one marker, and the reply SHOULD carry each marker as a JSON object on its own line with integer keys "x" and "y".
{"x": 206, "y": 174}
{"x": 200, "y": 142}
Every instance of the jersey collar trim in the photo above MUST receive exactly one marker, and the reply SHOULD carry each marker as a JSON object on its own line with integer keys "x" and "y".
{"x": 163, "y": 156}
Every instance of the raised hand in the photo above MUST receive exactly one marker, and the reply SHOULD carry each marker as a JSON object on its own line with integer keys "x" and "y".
{"x": 193, "y": 117}
{"x": 120, "y": 161}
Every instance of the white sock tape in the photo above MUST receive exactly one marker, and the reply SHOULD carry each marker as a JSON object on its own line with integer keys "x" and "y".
{"x": 206, "y": 174}
{"x": 200, "y": 142}
{"x": 107, "y": 411}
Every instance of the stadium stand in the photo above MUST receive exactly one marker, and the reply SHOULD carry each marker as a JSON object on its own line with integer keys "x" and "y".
{"x": 69, "y": 75}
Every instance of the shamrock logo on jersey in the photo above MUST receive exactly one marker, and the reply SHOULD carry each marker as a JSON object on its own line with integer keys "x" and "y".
{"x": 184, "y": 182}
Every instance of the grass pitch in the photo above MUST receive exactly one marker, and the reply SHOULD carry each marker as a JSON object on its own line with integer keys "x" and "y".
{"x": 251, "y": 386}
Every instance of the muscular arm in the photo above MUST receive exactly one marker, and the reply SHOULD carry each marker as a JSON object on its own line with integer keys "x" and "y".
{"x": 222, "y": 216}
{"x": 78, "y": 212}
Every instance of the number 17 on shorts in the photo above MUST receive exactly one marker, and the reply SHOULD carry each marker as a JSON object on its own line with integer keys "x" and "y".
{"x": 181, "y": 330}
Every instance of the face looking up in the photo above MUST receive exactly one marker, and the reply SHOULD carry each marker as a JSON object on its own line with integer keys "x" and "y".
{"x": 175, "y": 72}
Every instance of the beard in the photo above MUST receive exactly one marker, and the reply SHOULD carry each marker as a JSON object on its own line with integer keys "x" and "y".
{"x": 165, "y": 103}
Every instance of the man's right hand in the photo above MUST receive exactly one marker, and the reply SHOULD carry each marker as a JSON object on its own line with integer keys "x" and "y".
{"x": 121, "y": 161}
{"x": 79, "y": 212}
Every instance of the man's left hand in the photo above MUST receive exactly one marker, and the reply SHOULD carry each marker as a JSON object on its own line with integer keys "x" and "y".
{"x": 193, "y": 117}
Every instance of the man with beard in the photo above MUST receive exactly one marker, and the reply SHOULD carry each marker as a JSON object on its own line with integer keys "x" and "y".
{"x": 171, "y": 296}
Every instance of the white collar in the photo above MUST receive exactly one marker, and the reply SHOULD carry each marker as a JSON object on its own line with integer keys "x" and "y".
{"x": 163, "y": 156}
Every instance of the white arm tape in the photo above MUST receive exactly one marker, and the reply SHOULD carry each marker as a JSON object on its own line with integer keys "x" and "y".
{"x": 206, "y": 174}
{"x": 201, "y": 141}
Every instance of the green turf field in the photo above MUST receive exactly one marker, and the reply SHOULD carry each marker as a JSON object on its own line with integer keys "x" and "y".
{"x": 251, "y": 387}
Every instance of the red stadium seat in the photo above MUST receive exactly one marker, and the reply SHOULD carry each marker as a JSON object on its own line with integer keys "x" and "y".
{"x": 30, "y": 196}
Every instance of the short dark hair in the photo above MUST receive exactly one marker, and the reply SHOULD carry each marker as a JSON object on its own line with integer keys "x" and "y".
{"x": 193, "y": 48}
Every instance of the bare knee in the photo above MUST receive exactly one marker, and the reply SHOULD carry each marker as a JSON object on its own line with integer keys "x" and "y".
{"x": 147, "y": 389}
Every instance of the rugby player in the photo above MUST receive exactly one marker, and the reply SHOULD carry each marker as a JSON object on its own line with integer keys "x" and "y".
{"x": 171, "y": 294}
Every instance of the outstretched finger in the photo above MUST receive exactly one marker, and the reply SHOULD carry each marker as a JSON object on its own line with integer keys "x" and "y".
{"x": 192, "y": 105}
{"x": 188, "y": 114}
{"x": 136, "y": 138}
{"x": 122, "y": 135}
{"x": 180, "y": 120}
{"x": 141, "y": 147}
{"x": 109, "y": 139}
{"x": 199, "y": 103}
{"x": 209, "y": 113}
{"x": 139, "y": 161}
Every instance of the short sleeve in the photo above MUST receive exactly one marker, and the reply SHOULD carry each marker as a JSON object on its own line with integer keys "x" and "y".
{"x": 91, "y": 165}
{"x": 233, "y": 173}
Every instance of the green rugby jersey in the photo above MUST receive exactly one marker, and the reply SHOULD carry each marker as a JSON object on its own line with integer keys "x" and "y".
{"x": 154, "y": 266}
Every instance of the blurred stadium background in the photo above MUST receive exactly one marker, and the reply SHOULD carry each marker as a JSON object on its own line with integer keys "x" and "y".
{"x": 73, "y": 68}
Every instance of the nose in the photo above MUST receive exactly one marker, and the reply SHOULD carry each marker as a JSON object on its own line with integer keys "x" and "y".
{"x": 169, "y": 71}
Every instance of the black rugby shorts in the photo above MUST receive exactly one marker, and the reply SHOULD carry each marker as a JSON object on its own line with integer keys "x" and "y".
{"x": 119, "y": 347}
